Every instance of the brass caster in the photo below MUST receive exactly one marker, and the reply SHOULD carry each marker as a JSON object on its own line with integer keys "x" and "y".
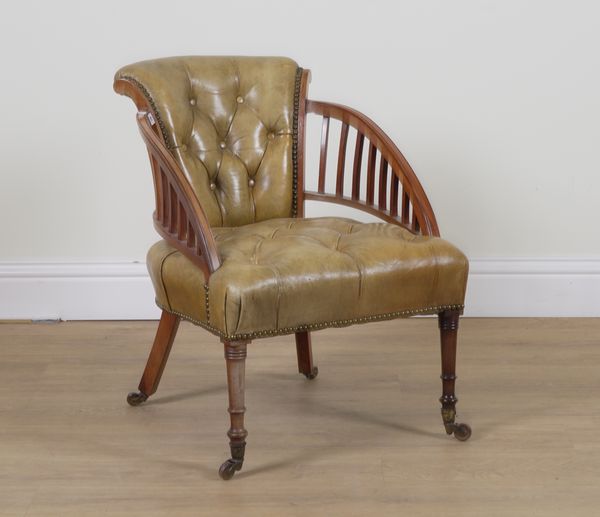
{"x": 313, "y": 374}
{"x": 135, "y": 398}
{"x": 227, "y": 470}
{"x": 462, "y": 432}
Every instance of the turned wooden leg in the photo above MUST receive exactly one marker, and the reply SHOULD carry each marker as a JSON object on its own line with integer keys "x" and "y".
{"x": 235, "y": 357}
{"x": 448, "y": 322}
{"x": 305, "y": 358}
{"x": 163, "y": 341}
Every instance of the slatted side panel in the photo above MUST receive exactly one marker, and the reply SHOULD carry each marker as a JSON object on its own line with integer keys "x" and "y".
{"x": 361, "y": 174}
{"x": 170, "y": 212}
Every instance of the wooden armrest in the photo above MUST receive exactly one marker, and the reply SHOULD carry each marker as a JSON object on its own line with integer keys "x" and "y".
{"x": 178, "y": 217}
{"x": 401, "y": 199}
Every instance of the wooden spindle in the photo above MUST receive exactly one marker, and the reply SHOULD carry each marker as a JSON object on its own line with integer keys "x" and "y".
{"x": 182, "y": 223}
{"x": 405, "y": 206}
{"x": 371, "y": 173}
{"x": 323, "y": 156}
{"x": 157, "y": 186}
{"x": 416, "y": 225}
{"x": 165, "y": 198}
{"x": 358, "y": 150}
{"x": 191, "y": 236}
{"x": 339, "y": 184}
{"x": 173, "y": 203}
{"x": 394, "y": 195}
{"x": 383, "y": 168}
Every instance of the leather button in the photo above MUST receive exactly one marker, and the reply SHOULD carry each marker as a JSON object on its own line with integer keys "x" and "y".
{"x": 222, "y": 145}
{"x": 193, "y": 102}
{"x": 213, "y": 186}
{"x": 240, "y": 100}
{"x": 251, "y": 182}
{"x": 271, "y": 136}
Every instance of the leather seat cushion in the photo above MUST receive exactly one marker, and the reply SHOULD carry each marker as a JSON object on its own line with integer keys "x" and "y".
{"x": 284, "y": 275}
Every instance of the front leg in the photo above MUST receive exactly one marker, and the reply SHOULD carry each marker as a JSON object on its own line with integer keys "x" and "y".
{"x": 448, "y": 322}
{"x": 235, "y": 357}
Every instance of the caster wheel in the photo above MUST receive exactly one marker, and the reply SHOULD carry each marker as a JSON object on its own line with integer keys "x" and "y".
{"x": 135, "y": 398}
{"x": 312, "y": 375}
{"x": 227, "y": 470}
{"x": 462, "y": 432}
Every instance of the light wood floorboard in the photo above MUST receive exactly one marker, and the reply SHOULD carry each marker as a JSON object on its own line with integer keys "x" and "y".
{"x": 364, "y": 438}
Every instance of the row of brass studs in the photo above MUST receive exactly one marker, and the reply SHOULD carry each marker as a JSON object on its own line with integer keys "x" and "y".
{"x": 295, "y": 142}
{"x": 312, "y": 326}
{"x": 207, "y": 304}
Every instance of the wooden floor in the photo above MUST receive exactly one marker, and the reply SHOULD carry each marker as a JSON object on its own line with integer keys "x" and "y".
{"x": 364, "y": 438}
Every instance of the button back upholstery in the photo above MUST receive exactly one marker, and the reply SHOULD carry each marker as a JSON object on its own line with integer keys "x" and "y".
{"x": 228, "y": 121}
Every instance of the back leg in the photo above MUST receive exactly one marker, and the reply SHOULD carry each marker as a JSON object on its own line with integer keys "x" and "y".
{"x": 305, "y": 358}
{"x": 163, "y": 341}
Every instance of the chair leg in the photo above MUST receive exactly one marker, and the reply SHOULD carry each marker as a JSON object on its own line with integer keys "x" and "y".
{"x": 235, "y": 357}
{"x": 448, "y": 323}
{"x": 305, "y": 358}
{"x": 163, "y": 341}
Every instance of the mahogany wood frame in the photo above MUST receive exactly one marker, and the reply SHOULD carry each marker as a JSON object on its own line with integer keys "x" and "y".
{"x": 181, "y": 221}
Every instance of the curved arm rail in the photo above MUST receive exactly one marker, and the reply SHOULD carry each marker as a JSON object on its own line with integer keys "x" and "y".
{"x": 401, "y": 199}
{"x": 178, "y": 217}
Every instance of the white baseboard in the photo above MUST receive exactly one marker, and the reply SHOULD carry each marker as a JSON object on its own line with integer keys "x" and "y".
{"x": 534, "y": 288}
{"x": 98, "y": 291}
{"x": 76, "y": 291}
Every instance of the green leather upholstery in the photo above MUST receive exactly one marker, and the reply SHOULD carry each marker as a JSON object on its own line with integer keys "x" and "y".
{"x": 229, "y": 123}
{"x": 283, "y": 275}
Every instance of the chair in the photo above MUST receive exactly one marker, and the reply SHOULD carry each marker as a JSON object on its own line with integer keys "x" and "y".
{"x": 226, "y": 139}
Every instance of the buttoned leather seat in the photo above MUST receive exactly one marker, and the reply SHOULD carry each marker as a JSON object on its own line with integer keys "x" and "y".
{"x": 226, "y": 140}
{"x": 284, "y": 275}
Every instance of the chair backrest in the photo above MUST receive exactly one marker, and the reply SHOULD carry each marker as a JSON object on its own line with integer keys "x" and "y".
{"x": 231, "y": 123}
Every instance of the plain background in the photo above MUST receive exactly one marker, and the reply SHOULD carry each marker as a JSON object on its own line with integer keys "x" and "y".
{"x": 495, "y": 105}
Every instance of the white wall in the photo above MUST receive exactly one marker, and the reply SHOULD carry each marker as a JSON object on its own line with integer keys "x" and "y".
{"x": 495, "y": 104}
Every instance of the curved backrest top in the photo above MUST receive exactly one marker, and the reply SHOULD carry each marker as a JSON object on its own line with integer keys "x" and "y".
{"x": 231, "y": 124}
